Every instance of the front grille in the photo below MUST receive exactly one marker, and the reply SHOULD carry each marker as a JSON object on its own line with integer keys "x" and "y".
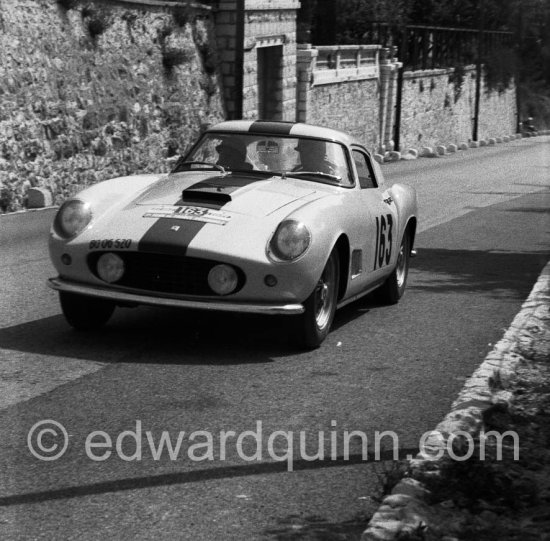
{"x": 164, "y": 273}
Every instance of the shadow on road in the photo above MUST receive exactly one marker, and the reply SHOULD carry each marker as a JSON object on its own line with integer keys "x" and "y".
{"x": 155, "y": 336}
{"x": 481, "y": 272}
{"x": 198, "y": 475}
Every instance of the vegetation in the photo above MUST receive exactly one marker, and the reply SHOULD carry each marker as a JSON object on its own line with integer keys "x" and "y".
{"x": 325, "y": 22}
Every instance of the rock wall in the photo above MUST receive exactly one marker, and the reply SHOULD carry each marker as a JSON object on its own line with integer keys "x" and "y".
{"x": 94, "y": 90}
{"x": 438, "y": 108}
{"x": 350, "y": 106}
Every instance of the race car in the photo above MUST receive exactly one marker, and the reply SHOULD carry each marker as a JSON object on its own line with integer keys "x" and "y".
{"x": 261, "y": 217}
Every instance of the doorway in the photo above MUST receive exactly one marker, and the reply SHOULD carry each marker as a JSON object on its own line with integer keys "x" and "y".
{"x": 270, "y": 82}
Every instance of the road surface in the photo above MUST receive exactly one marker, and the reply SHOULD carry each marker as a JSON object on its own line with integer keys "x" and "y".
{"x": 483, "y": 239}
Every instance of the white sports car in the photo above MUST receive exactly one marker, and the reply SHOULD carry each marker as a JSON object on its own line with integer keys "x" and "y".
{"x": 258, "y": 217}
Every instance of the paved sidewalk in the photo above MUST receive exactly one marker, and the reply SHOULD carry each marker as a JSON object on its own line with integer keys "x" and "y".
{"x": 480, "y": 499}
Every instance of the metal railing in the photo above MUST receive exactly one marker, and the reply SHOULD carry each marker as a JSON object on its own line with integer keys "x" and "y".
{"x": 430, "y": 47}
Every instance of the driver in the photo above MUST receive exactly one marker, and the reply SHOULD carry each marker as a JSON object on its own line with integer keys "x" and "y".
{"x": 232, "y": 155}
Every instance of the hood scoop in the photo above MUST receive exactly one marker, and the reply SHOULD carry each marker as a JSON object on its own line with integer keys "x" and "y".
{"x": 205, "y": 195}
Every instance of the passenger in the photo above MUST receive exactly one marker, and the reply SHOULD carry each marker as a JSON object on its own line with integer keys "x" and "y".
{"x": 313, "y": 157}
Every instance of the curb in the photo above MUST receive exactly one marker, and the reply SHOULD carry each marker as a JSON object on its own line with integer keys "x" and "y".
{"x": 451, "y": 148}
{"x": 406, "y": 510}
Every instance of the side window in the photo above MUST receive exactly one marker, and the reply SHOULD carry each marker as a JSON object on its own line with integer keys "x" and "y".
{"x": 364, "y": 170}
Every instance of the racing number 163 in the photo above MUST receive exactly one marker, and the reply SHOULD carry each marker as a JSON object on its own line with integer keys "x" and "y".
{"x": 384, "y": 239}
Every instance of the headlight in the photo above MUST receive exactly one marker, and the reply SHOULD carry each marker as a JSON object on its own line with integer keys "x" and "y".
{"x": 223, "y": 279}
{"x": 290, "y": 241}
{"x": 72, "y": 218}
{"x": 110, "y": 267}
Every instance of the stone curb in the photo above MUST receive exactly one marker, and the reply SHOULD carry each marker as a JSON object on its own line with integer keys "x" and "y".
{"x": 406, "y": 510}
{"x": 451, "y": 148}
{"x": 38, "y": 198}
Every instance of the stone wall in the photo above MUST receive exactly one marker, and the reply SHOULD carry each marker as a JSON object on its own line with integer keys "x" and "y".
{"x": 270, "y": 23}
{"x": 94, "y": 90}
{"x": 351, "y": 106}
{"x": 437, "y": 105}
{"x": 438, "y": 108}
{"x": 339, "y": 87}
{"x": 245, "y": 29}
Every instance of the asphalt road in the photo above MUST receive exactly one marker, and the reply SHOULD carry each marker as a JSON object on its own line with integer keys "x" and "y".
{"x": 483, "y": 240}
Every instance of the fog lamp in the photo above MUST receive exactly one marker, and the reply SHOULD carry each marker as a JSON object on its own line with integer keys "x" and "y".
{"x": 110, "y": 267}
{"x": 222, "y": 279}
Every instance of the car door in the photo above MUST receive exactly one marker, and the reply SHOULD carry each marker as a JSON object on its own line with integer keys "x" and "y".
{"x": 381, "y": 245}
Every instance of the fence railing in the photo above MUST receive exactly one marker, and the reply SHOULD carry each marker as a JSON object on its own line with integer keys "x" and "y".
{"x": 429, "y": 47}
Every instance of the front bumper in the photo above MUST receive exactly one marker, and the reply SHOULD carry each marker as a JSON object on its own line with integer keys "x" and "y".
{"x": 178, "y": 301}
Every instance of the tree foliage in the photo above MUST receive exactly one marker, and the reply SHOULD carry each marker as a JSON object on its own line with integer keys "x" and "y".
{"x": 344, "y": 22}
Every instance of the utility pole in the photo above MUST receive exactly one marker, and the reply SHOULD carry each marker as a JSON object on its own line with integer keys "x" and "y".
{"x": 403, "y": 56}
{"x": 519, "y": 45}
{"x": 481, "y": 14}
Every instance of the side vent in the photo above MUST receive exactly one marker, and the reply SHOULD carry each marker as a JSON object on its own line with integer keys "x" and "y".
{"x": 356, "y": 263}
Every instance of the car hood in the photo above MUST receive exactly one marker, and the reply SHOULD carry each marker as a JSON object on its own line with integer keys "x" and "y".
{"x": 247, "y": 194}
{"x": 202, "y": 214}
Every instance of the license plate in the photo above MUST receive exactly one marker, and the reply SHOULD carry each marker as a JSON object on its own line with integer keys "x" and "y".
{"x": 200, "y": 214}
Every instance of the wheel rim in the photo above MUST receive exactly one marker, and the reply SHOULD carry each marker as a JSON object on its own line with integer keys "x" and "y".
{"x": 402, "y": 263}
{"x": 325, "y": 294}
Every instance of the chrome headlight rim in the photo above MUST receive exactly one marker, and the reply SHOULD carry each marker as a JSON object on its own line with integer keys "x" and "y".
{"x": 60, "y": 228}
{"x": 273, "y": 251}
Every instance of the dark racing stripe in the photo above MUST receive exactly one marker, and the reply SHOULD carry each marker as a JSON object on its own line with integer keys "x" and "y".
{"x": 172, "y": 236}
{"x": 271, "y": 128}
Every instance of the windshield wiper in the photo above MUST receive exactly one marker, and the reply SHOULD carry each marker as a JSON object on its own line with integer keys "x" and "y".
{"x": 207, "y": 165}
{"x": 336, "y": 178}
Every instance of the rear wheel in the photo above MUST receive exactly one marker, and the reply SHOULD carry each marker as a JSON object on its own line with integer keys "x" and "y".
{"x": 320, "y": 306}
{"x": 85, "y": 313}
{"x": 394, "y": 287}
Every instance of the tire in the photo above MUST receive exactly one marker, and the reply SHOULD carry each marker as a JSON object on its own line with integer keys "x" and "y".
{"x": 320, "y": 306}
{"x": 85, "y": 313}
{"x": 394, "y": 287}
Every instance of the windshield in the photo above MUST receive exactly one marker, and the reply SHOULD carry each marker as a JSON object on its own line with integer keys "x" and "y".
{"x": 311, "y": 159}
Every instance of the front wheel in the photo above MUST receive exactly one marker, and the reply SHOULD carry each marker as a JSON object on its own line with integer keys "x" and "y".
{"x": 320, "y": 306}
{"x": 394, "y": 287}
{"x": 85, "y": 313}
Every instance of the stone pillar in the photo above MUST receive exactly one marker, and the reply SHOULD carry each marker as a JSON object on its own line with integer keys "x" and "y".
{"x": 242, "y": 28}
{"x": 389, "y": 68}
{"x": 270, "y": 23}
{"x": 227, "y": 20}
{"x": 305, "y": 65}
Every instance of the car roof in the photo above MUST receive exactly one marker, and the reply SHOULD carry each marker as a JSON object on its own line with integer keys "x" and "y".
{"x": 294, "y": 129}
